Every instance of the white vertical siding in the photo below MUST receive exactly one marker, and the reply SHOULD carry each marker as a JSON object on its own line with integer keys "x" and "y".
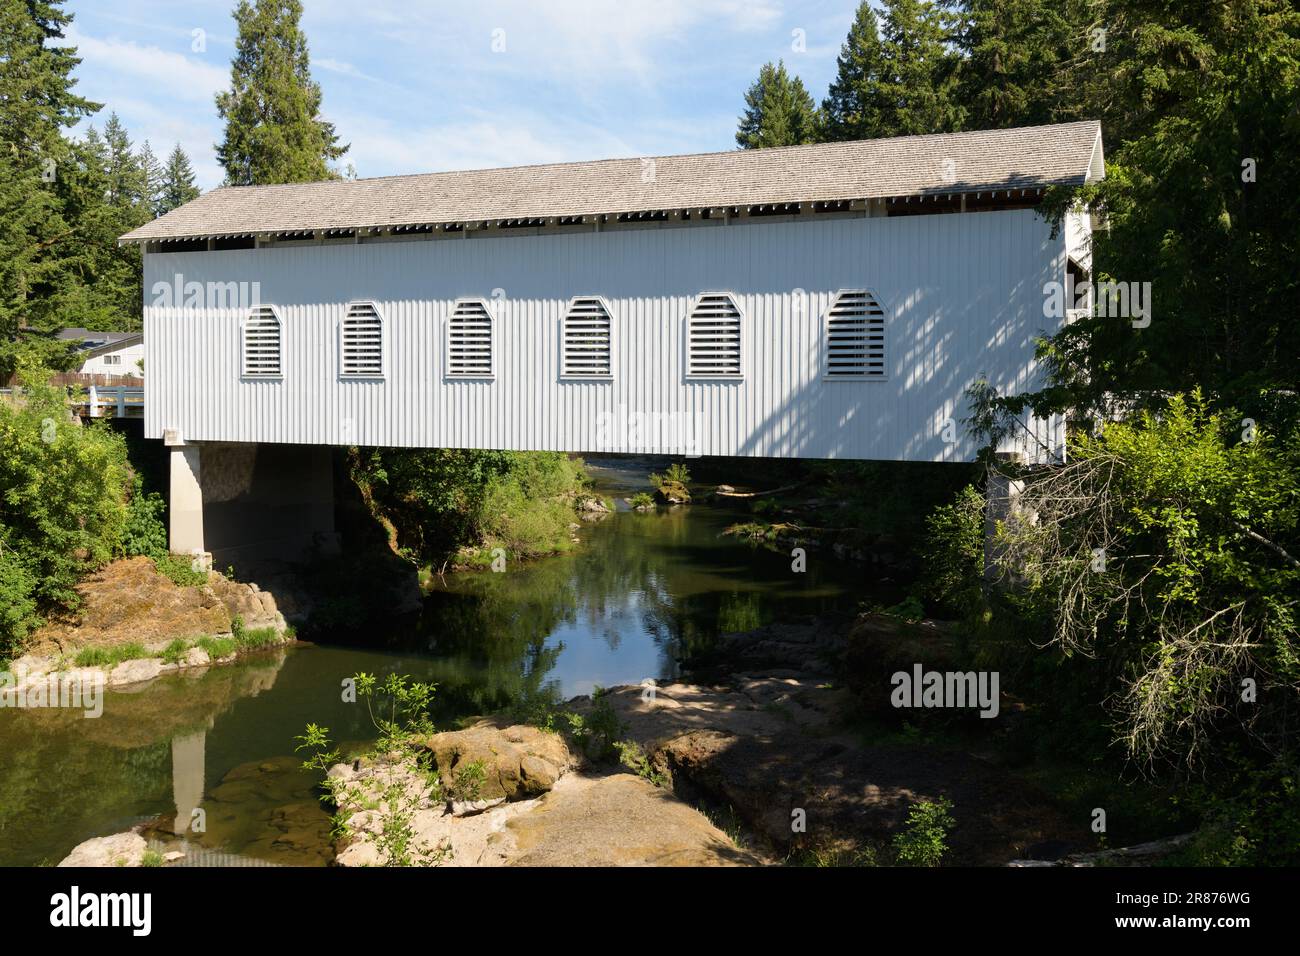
{"x": 962, "y": 296}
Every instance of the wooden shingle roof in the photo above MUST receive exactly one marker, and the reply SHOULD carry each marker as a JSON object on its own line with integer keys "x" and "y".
{"x": 1024, "y": 158}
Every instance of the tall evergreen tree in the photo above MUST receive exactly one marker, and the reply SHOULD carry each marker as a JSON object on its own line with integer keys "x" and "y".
{"x": 918, "y": 88}
{"x": 1015, "y": 51}
{"x": 38, "y": 250}
{"x": 274, "y": 131}
{"x": 151, "y": 169}
{"x": 853, "y": 105}
{"x": 177, "y": 182}
{"x": 778, "y": 111}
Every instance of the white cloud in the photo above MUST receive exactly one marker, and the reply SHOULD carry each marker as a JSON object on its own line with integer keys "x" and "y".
{"x": 175, "y": 74}
{"x": 379, "y": 148}
{"x": 342, "y": 68}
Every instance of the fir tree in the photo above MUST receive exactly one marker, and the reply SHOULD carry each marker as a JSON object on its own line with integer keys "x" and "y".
{"x": 918, "y": 88}
{"x": 38, "y": 252}
{"x": 778, "y": 111}
{"x": 151, "y": 170}
{"x": 274, "y": 131}
{"x": 1014, "y": 51}
{"x": 177, "y": 182}
{"x": 853, "y": 106}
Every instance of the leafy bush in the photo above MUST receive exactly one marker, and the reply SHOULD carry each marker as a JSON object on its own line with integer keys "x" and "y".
{"x": 62, "y": 505}
{"x": 923, "y": 839}
{"x": 180, "y": 570}
{"x": 952, "y": 554}
{"x": 442, "y": 500}
{"x": 642, "y": 501}
{"x": 398, "y": 708}
{"x": 17, "y": 603}
{"x": 631, "y": 755}
{"x": 1166, "y": 549}
{"x": 145, "y": 531}
{"x": 597, "y": 733}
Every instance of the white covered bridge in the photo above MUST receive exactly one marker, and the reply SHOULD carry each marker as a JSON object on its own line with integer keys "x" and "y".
{"x": 825, "y": 301}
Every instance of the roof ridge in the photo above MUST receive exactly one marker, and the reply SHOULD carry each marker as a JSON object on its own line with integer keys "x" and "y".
{"x": 971, "y": 161}
{"x": 766, "y": 150}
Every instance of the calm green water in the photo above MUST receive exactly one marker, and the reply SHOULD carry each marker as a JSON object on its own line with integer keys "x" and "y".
{"x": 639, "y": 592}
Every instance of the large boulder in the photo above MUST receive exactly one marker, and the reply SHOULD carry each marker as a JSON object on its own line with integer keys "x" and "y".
{"x": 517, "y": 761}
{"x": 619, "y": 820}
{"x": 255, "y": 607}
{"x": 120, "y": 849}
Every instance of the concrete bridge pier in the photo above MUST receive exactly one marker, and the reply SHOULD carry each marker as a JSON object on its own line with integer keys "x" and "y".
{"x": 243, "y": 501}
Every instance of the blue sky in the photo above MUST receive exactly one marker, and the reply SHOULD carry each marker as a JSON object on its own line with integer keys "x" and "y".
{"x": 416, "y": 86}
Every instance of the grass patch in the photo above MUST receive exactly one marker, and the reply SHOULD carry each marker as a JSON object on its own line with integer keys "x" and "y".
{"x": 217, "y": 647}
{"x": 110, "y": 656}
{"x": 175, "y": 652}
{"x": 820, "y": 856}
{"x": 151, "y": 858}
{"x": 252, "y": 638}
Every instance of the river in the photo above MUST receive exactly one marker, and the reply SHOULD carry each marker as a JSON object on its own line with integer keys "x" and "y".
{"x": 640, "y": 591}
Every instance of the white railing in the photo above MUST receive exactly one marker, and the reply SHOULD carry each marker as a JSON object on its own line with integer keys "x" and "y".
{"x": 121, "y": 398}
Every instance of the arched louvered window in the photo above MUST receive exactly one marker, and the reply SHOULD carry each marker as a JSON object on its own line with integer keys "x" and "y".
{"x": 260, "y": 344}
{"x": 713, "y": 337}
{"x": 361, "y": 341}
{"x": 855, "y": 337}
{"x": 587, "y": 347}
{"x": 469, "y": 340}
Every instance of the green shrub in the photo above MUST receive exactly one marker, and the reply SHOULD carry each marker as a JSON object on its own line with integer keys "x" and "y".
{"x": 441, "y": 500}
{"x": 180, "y": 570}
{"x": 631, "y": 755}
{"x": 18, "y": 611}
{"x": 597, "y": 732}
{"x": 398, "y": 708}
{"x": 145, "y": 531}
{"x": 1165, "y": 549}
{"x": 62, "y": 504}
{"x": 952, "y": 555}
{"x": 642, "y": 499}
{"x": 1252, "y": 818}
{"x": 923, "y": 839}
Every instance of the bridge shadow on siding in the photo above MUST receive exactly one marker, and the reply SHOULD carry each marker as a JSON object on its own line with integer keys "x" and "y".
{"x": 923, "y": 351}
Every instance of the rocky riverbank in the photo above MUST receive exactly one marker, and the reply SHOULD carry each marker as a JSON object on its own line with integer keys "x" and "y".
{"x": 133, "y": 624}
{"x": 758, "y": 760}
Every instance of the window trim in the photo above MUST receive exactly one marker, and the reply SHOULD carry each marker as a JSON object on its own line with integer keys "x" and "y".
{"x": 825, "y": 332}
{"x": 382, "y": 375}
{"x": 568, "y": 308}
{"x": 244, "y": 374}
{"x": 447, "y": 374}
{"x": 690, "y": 376}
